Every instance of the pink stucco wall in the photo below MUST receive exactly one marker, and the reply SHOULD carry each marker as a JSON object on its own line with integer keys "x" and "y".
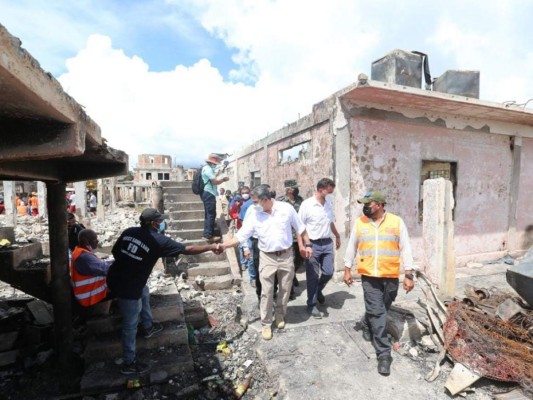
{"x": 307, "y": 172}
{"x": 525, "y": 205}
{"x": 387, "y": 155}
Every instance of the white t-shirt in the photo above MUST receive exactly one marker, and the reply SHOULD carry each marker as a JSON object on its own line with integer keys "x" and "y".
{"x": 317, "y": 218}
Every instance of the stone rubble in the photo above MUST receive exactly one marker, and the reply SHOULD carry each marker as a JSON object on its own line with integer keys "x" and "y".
{"x": 218, "y": 369}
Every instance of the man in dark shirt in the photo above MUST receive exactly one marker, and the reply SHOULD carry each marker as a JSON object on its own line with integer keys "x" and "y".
{"x": 136, "y": 252}
{"x": 74, "y": 228}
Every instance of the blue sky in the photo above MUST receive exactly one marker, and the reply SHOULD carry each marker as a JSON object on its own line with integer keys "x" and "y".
{"x": 189, "y": 77}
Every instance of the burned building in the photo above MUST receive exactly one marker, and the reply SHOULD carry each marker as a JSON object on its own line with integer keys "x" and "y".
{"x": 391, "y": 135}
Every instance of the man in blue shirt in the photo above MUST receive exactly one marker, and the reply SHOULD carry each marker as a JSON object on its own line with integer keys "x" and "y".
{"x": 209, "y": 195}
{"x": 136, "y": 252}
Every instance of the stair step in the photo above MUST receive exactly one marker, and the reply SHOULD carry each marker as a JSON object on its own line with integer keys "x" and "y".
{"x": 185, "y": 205}
{"x": 186, "y": 197}
{"x": 216, "y": 268}
{"x": 204, "y": 257}
{"x": 188, "y": 214}
{"x": 164, "y": 308}
{"x": 105, "y": 375}
{"x": 215, "y": 282}
{"x": 176, "y": 190}
{"x": 182, "y": 224}
{"x": 196, "y": 234}
{"x": 108, "y": 346}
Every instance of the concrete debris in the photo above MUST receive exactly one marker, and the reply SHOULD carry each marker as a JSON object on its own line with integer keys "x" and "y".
{"x": 460, "y": 378}
{"x": 41, "y": 312}
{"x": 508, "y": 310}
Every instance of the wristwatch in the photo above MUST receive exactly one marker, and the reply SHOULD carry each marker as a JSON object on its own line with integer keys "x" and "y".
{"x": 308, "y": 245}
{"x": 409, "y": 276}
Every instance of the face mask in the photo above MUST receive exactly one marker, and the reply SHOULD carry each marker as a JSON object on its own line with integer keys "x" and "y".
{"x": 258, "y": 208}
{"x": 90, "y": 248}
{"x": 246, "y": 196}
{"x": 329, "y": 197}
{"x": 367, "y": 211}
{"x": 162, "y": 227}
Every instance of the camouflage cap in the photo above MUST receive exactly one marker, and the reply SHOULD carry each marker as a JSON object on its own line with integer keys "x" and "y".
{"x": 376, "y": 196}
{"x": 291, "y": 183}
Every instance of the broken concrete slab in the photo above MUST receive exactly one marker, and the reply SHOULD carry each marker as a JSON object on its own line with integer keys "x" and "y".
{"x": 41, "y": 312}
{"x": 15, "y": 257}
{"x": 460, "y": 378}
{"x": 7, "y": 340}
{"x": 216, "y": 268}
{"x": 213, "y": 282}
{"x": 8, "y": 357}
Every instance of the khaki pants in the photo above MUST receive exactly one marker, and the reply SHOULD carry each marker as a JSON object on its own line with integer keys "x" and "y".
{"x": 271, "y": 265}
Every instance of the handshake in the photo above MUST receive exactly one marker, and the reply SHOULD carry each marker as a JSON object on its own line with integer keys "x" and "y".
{"x": 218, "y": 248}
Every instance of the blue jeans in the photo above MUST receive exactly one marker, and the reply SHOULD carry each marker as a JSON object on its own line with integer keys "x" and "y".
{"x": 250, "y": 261}
{"x": 210, "y": 211}
{"x": 318, "y": 269}
{"x": 130, "y": 311}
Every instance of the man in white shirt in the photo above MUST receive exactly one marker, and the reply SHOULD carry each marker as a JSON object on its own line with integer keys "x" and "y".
{"x": 317, "y": 215}
{"x": 272, "y": 221}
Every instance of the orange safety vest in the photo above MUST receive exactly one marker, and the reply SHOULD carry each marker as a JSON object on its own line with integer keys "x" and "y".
{"x": 378, "y": 249}
{"x": 88, "y": 289}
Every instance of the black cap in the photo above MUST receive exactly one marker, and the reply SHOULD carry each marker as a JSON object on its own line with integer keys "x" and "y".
{"x": 152, "y": 214}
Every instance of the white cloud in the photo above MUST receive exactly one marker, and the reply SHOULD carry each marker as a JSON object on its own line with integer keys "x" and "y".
{"x": 289, "y": 55}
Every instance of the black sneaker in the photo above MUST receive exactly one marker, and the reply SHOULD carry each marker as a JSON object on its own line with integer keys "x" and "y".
{"x": 134, "y": 368}
{"x": 320, "y": 298}
{"x": 155, "y": 328}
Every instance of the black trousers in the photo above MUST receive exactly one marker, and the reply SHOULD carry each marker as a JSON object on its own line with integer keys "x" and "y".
{"x": 379, "y": 293}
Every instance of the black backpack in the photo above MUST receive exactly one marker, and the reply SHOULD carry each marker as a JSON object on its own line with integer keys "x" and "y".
{"x": 198, "y": 182}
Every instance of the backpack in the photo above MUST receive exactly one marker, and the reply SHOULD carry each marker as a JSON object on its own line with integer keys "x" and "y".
{"x": 198, "y": 182}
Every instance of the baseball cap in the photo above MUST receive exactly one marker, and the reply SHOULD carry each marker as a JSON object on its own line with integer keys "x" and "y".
{"x": 375, "y": 195}
{"x": 152, "y": 214}
{"x": 291, "y": 183}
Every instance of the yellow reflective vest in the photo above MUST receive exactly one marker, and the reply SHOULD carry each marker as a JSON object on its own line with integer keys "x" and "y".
{"x": 378, "y": 248}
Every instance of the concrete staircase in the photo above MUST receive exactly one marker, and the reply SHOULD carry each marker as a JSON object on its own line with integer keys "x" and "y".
{"x": 206, "y": 271}
{"x": 167, "y": 352}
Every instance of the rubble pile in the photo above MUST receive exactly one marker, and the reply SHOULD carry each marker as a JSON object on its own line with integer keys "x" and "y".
{"x": 487, "y": 333}
{"x": 29, "y": 228}
{"x": 223, "y": 349}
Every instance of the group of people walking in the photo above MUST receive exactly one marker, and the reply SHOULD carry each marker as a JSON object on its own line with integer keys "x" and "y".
{"x": 274, "y": 231}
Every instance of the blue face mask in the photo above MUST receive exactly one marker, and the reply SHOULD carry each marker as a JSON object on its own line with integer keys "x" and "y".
{"x": 162, "y": 226}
